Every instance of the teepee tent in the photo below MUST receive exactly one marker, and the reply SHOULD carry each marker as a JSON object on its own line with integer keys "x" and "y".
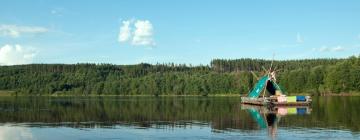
{"x": 268, "y": 83}
{"x": 265, "y": 83}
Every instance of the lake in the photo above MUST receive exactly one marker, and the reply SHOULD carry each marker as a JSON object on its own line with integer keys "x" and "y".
{"x": 116, "y": 117}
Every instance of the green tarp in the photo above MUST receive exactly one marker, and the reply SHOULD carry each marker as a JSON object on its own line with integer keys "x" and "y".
{"x": 261, "y": 84}
{"x": 258, "y": 87}
{"x": 278, "y": 87}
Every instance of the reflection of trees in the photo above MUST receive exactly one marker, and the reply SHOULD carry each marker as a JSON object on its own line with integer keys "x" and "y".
{"x": 220, "y": 112}
{"x": 330, "y": 112}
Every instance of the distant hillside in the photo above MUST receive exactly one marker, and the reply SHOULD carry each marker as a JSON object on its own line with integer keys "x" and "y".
{"x": 221, "y": 77}
{"x": 247, "y": 64}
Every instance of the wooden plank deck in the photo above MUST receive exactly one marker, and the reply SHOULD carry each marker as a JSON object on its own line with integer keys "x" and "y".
{"x": 271, "y": 101}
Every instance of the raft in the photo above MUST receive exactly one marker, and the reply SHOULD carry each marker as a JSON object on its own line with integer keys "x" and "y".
{"x": 272, "y": 94}
{"x": 273, "y": 101}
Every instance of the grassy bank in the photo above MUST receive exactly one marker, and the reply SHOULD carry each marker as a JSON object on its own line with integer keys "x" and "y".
{"x": 341, "y": 94}
{"x": 13, "y": 93}
{"x": 6, "y": 93}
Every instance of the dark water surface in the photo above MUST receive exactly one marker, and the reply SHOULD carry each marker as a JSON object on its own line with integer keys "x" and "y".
{"x": 174, "y": 118}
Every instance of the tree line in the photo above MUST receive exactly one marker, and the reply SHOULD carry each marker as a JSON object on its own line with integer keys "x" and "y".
{"x": 220, "y": 77}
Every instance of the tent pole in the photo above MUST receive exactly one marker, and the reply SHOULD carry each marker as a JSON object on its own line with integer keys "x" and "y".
{"x": 264, "y": 89}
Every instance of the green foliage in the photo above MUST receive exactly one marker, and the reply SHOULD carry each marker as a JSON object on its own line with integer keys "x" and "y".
{"x": 222, "y": 77}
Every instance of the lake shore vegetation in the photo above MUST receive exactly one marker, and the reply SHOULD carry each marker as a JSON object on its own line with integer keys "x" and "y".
{"x": 221, "y": 77}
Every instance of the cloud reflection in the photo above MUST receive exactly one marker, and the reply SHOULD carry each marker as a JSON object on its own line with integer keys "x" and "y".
{"x": 8, "y": 132}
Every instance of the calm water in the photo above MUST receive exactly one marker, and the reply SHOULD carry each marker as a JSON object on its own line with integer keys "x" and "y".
{"x": 174, "y": 118}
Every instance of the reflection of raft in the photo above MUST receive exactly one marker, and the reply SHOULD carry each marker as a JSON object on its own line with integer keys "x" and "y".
{"x": 280, "y": 110}
{"x": 269, "y": 116}
{"x": 276, "y": 98}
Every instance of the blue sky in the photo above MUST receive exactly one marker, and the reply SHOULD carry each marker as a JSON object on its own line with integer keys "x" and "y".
{"x": 181, "y": 31}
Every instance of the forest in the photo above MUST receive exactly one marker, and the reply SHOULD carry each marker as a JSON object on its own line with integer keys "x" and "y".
{"x": 313, "y": 76}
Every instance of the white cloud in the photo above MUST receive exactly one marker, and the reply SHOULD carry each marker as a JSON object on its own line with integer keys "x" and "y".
{"x": 299, "y": 38}
{"x": 142, "y": 35}
{"x": 16, "y": 31}
{"x": 15, "y": 55}
{"x": 330, "y": 49}
{"x": 324, "y": 49}
{"x": 338, "y": 49}
{"x": 125, "y": 31}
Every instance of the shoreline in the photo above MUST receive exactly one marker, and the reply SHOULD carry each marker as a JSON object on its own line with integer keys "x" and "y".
{"x": 340, "y": 94}
{"x": 4, "y": 93}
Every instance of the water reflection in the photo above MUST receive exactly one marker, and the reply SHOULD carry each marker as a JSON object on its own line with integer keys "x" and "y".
{"x": 9, "y": 132}
{"x": 269, "y": 117}
{"x": 212, "y": 116}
